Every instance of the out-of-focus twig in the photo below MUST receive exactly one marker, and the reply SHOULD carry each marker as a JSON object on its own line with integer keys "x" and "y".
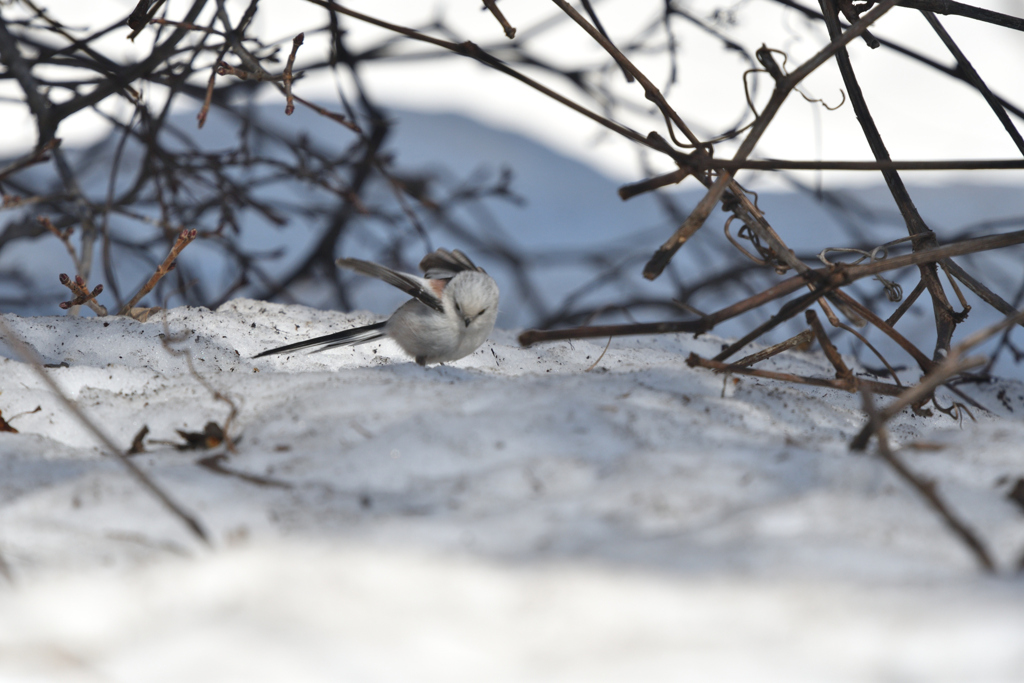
{"x": 225, "y": 69}
{"x": 5, "y": 569}
{"x": 216, "y": 463}
{"x": 671, "y": 178}
{"x": 224, "y": 431}
{"x": 141, "y": 16}
{"x": 34, "y": 157}
{"x": 926, "y": 488}
{"x": 29, "y": 356}
{"x": 65, "y": 237}
{"x": 188, "y": 26}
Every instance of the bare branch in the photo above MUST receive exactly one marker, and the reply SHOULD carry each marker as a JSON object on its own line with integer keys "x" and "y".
{"x": 850, "y": 384}
{"x": 802, "y": 340}
{"x": 954, "y": 364}
{"x": 491, "y": 5}
{"x": 290, "y": 105}
{"x": 784, "y": 85}
{"x": 964, "y": 10}
{"x": 30, "y": 357}
{"x": 926, "y": 488}
{"x": 184, "y": 239}
{"x": 823, "y": 279}
{"x": 82, "y": 294}
{"x": 34, "y": 157}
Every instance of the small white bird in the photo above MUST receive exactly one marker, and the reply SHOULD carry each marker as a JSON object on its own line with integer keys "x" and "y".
{"x": 453, "y": 309}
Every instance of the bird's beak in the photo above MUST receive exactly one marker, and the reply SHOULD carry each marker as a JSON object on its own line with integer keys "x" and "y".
{"x": 467, "y": 320}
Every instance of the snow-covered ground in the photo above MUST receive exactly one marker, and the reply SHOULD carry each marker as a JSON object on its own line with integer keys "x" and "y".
{"x": 511, "y": 516}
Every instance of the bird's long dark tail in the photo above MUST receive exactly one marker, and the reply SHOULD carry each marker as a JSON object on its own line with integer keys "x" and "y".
{"x": 353, "y": 337}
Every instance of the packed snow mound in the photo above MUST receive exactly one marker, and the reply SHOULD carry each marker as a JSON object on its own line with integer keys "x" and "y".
{"x": 509, "y": 452}
{"x": 523, "y": 471}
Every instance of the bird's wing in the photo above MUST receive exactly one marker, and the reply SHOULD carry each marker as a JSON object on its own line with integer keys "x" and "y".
{"x": 444, "y": 265}
{"x": 419, "y": 288}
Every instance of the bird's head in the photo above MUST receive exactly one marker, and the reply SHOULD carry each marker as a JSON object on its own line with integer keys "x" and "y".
{"x": 473, "y": 297}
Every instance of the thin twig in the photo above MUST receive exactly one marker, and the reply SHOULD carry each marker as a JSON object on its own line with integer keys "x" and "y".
{"x": 880, "y": 165}
{"x": 871, "y": 347}
{"x": 82, "y": 294}
{"x": 826, "y": 279}
{"x": 600, "y": 27}
{"x": 34, "y": 157}
{"x": 784, "y": 85}
{"x": 926, "y": 488}
{"x": 964, "y": 10}
{"x": 184, "y": 239}
{"x": 831, "y": 352}
{"x": 329, "y": 114}
{"x": 604, "y": 351}
{"x": 789, "y": 310}
{"x": 849, "y": 385}
{"x": 906, "y": 304}
{"x": 651, "y": 184}
{"x": 803, "y": 339}
{"x": 945, "y": 320}
{"x": 208, "y": 98}
{"x": 30, "y": 357}
{"x": 954, "y": 364}
{"x": 852, "y": 14}
{"x": 923, "y": 361}
{"x": 289, "y": 102}
{"x": 969, "y": 72}
{"x": 473, "y": 51}
{"x": 510, "y": 32}
{"x": 1005, "y": 338}
{"x": 65, "y": 237}
{"x": 984, "y": 293}
{"x": 167, "y": 340}
{"x": 225, "y": 69}
{"x": 188, "y": 26}
{"x": 911, "y": 54}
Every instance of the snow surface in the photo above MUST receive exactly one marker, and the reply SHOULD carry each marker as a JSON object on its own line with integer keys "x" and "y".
{"x": 511, "y": 516}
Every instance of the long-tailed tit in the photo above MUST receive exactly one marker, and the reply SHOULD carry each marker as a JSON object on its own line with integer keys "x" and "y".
{"x": 452, "y": 311}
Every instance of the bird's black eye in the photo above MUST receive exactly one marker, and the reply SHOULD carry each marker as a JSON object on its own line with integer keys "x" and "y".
{"x": 458, "y": 308}
{"x": 482, "y": 311}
